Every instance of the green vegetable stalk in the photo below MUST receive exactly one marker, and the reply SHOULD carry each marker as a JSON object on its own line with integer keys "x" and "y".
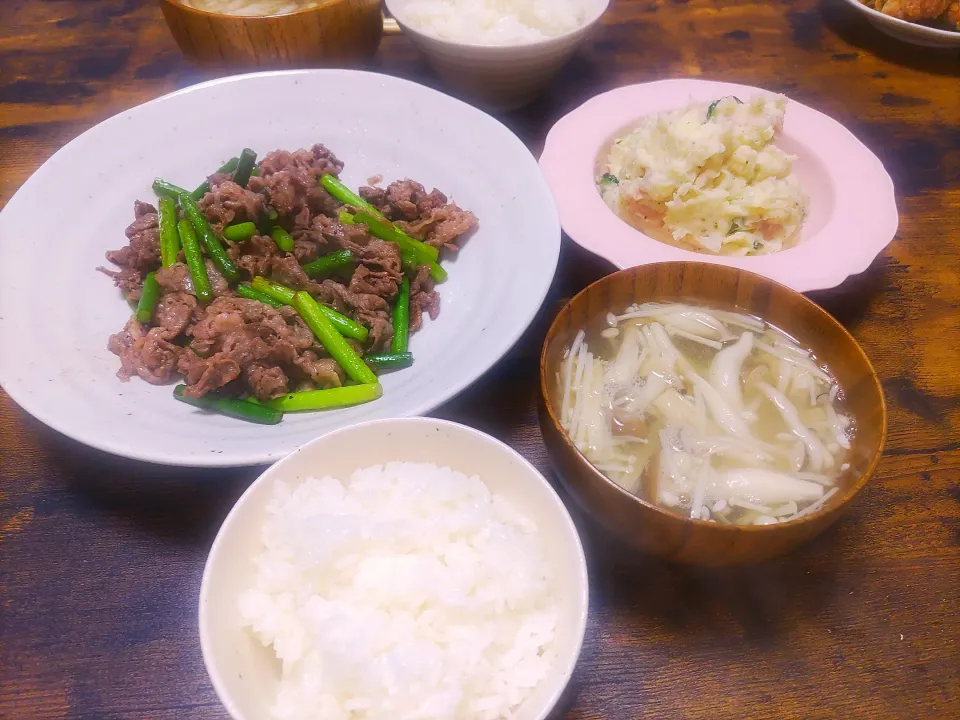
{"x": 204, "y": 187}
{"x": 245, "y": 291}
{"x": 209, "y": 238}
{"x": 148, "y": 298}
{"x": 326, "y": 399}
{"x": 232, "y": 407}
{"x": 345, "y": 195}
{"x": 331, "y": 340}
{"x": 241, "y": 176}
{"x": 328, "y": 263}
{"x": 282, "y": 238}
{"x": 162, "y": 187}
{"x": 169, "y": 238}
{"x": 239, "y": 232}
{"x": 391, "y": 361}
{"x": 194, "y": 257}
{"x": 401, "y": 318}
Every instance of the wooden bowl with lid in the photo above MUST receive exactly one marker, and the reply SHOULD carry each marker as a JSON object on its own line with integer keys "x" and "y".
{"x": 334, "y": 31}
{"x": 653, "y": 529}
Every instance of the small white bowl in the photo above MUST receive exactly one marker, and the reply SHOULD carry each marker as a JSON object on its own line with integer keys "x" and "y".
{"x": 501, "y": 77}
{"x": 245, "y": 674}
{"x": 909, "y": 32}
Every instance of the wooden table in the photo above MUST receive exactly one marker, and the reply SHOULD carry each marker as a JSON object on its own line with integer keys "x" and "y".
{"x": 100, "y": 558}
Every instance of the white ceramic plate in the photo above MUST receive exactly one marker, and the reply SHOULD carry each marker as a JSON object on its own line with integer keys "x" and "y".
{"x": 57, "y": 311}
{"x": 852, "y": 211}
{"x": 909, "y": 32}
{"x": 245, "y": 674}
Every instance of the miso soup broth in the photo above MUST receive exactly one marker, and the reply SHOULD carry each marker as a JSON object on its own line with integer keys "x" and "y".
{"x": 708, "y": 413}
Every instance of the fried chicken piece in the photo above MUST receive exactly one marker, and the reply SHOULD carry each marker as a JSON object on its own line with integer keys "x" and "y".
{"x": 912, "y": 10}
{"x": 952, "y": 15}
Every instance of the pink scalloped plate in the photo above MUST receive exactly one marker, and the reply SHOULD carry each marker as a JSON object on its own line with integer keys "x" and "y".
{"x": 852, "y": 213}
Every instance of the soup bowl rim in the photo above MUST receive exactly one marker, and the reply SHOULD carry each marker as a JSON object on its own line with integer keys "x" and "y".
{"x": 844, "y": 496}
{"x": 268, "y": 16}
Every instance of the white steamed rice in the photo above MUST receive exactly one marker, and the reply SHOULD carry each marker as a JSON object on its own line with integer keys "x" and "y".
{"x": 495, "y": 22}
{"x": 251, "y": 7}
{"x": 409, "y": 591}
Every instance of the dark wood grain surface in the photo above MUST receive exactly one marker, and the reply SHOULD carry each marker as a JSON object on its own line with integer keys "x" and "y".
{"x": 100, "y": 558}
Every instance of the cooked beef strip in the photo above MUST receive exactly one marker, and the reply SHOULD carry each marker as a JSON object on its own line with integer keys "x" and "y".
{"x": 147, "y": 354}
{"x": 127, "y": 279}
{"x": 403, "y": 199}
{"x": 254, "y": 255}
{"x": 142, "y": 208}
{"x": 142, "y": 252}
{"x": 175, "y": 279}
{"x": 174, "y": 313}
{"x": 441, "y": 226}
{"x": 218, "y": 283}
{"x": 325, "y": 372}
{"x": 287, "y": 271}
{"x": 266, "y": 381}
{"x": 426, "y": 216}
{"x": 423, "y": 299}
{"x": 228, "y": 203}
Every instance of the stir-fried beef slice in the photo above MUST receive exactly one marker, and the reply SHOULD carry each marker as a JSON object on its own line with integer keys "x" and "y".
{"x": 254, "y": 255}
{"x": 379, "y": 255}
{"x": 368, "y": 309}
{"x": 218, "y": 283}
{"x": 282, "y": 353}
{"x": 122, "y": 345}
{"x": 215, "y": 323}
{"x": 266, "y": 381}
{"x": 325, "y": 372}
{"x": 376, "y": 196}
{"x": 143, "y": 221}
{"x": 142, "y": 253}
{"x": 305, "y": 250}
{"x": 332, "y": 235}
{"x": 423, "y": 299}
{"x": 322, "y": 202}
{"x": 149, "y": 355}
{"x": 374, "y": 282}
{"x": 204, "y": 376}
{"x": 217, "y": 178}
{"x": 324, "y": 161}
{"x": 287, "y": 271}
{"x": 174, "y": 313}
{"x": 281, "y": 160}
{"x": 129, "y": 281}
{"x": 227, "y": 203}
{"x": 245, "y": 332}
{"x": 404, "y": 199}
{"x": 441, "y": 226}
{"x": 380, "y": 270}
{"x": 175, "y": 279}
{"x": 302, "y": 218}
{"x": 334, "y": 293}
{"x": 291, "y": 179}
{"x": 381, "y": 329}
{"x": 143, "y": 208}
{"x": 287, "y": 188}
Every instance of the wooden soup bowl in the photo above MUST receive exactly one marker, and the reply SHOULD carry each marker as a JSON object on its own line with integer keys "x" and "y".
{"x": 658, "y": 531}
{"x": 335, "y": 31}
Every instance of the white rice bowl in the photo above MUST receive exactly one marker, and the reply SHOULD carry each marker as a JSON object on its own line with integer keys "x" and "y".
{"x": 496, "y": 22}
{"x": 360, "y": 577}
{"x": 408, "y": 591}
